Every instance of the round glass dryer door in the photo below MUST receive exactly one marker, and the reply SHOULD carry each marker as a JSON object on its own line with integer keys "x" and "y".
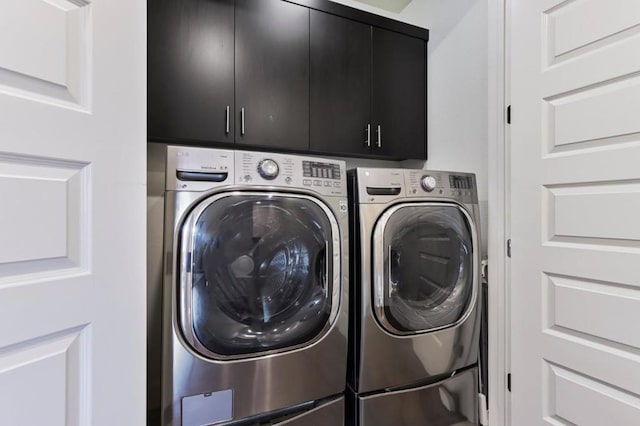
{"x": 257, "y": 273}
{"x": 423, "y": 267}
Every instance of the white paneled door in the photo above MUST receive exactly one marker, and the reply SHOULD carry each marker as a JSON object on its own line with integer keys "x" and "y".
{"x": 575, "y": 209}
{"x": 72, "y": 212}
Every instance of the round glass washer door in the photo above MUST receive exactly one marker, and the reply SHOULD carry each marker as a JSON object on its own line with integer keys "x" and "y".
{"x": 424, "y": 267}
{"x": 257, "y": 273}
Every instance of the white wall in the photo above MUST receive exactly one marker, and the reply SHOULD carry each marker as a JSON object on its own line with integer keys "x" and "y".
{"x": 457, "y": 99}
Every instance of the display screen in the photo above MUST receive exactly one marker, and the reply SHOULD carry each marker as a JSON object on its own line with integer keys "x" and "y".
{"x": 321, "y": 170}
{"x": 460, "y": 182}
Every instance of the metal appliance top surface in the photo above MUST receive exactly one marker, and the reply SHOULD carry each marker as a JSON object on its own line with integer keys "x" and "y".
{"x": 382, "y": 186}
{"x": 202, "y": 169}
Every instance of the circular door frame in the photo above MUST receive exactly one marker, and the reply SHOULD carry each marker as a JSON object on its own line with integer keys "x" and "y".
{"x": 377, "y": 267}
{"x": 185, "y": 283}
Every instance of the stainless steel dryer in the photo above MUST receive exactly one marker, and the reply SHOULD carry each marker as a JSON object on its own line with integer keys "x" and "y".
{"x": 415, "y": 297}
{"x": 256, "y": 277}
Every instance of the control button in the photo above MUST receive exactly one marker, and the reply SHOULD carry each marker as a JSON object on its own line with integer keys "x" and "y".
{"x": 287, "y": 179}
{"x": 336, "y": 184}
{"x": 317, "y": 183}
{"x": 268, "y": 169}
{"x": 428, "y": 183}
{"x": 306, "y": 182}
{"x": 327, "y": 184}
{"x": 247, "y": 178}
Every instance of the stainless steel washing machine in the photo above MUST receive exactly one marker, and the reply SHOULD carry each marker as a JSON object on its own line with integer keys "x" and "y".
{"x": 255, "y": 285}
{"x": 415, "y": 296}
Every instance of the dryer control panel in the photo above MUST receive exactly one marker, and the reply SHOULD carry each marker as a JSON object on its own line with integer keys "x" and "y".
{"x": 385, "y": 185}
{"x": 459, "y": 186}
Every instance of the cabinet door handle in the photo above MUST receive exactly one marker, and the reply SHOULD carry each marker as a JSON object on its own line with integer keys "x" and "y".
{"x": 367, "y": 130}
{"x": 227, "y": 121}
{"x": 379, "y": 138}
{"x": 242, "y": 121}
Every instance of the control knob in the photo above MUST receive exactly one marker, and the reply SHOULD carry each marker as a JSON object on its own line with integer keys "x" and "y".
{"x": 428, "y": 183}
{"x": 268, "y": 169}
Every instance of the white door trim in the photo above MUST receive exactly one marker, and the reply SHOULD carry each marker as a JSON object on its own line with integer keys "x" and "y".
{"x": 498, "y": 298}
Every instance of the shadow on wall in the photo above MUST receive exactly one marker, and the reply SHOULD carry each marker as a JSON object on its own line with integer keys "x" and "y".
{"x": 390, "y": 5}
{"x": 440, "y": 16}
{"x": 156, "y": 154}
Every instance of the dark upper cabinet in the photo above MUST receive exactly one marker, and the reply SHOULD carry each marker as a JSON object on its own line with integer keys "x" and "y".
{"x": 368, "y": 90}
{"x": 272, "y": 74}
{"x": 190, "y": 82}
{"x": 340, "y": 90}
{"x": 296, "y": 75}
{"x": 399, "y": 95}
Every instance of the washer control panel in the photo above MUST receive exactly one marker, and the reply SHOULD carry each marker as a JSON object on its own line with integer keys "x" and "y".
{"x": 324, "y": 176}
{"x": 200, "y": 169}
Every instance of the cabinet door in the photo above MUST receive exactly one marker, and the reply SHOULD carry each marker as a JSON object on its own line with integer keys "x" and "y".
{"x": 340, "y": 95}
{"x": 190, "y": 69}
{"x": 399, "y": 95}
{"x": 272, "y": 74}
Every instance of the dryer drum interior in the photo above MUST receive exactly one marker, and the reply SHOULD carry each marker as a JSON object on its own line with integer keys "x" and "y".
{"x": 428, "y": 267}
{"x": 260, "y": 273}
